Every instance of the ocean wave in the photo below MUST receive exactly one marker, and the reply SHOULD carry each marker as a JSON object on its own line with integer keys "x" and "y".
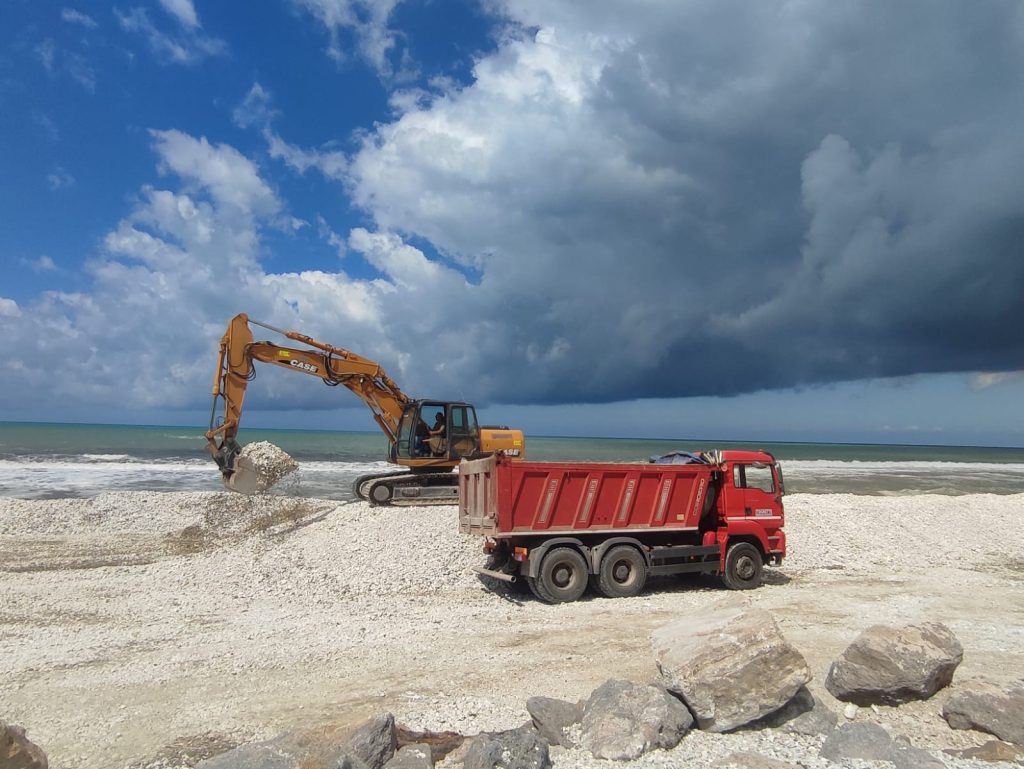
{"x": 90, "y": 474}
{"x": 49, "y": 477}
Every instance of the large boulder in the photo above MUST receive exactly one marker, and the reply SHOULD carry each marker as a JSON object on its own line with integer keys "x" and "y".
{"x": 19, "y": 752}
{"x": 731, "y": 665}
{"x": 804, "y": 714}
{"x": 552, "y": 717}
{"x": 623, "y": 720}
{"x": 374, "y": 742}
{"x": 515, "y": 749}
{"x": 993, "y": 750}
{"x": 892, "y": 665}
{"x": 368, "y": 746}
{"x": 988, "y": 708}
{"x": 411, "y": 757}
{"x": 863, "y": 741}
{"x": 268, "y": 462}
{"x": 870, "y": 742}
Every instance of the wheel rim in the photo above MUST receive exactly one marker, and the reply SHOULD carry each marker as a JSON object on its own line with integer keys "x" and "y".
{"x": 745, "y": 567}
{"x": 562, "y": 576}
{"x": 622, "y": 572}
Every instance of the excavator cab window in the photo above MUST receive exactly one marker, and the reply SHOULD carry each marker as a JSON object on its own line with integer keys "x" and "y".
{"x": 462, "y": 431}
{"x": 406, "y": 433}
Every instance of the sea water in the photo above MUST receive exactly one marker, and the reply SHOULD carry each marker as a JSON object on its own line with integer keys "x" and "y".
{"x": 39, "y": 461}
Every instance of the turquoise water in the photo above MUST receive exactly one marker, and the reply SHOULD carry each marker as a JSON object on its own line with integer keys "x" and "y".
{"x": 54, "y": 460}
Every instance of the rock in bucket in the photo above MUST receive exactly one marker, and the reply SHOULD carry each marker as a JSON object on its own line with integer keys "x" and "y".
{"x": 267, "y": 462}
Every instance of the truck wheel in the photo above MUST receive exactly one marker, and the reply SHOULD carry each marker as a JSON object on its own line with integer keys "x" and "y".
{"x": 743, "y": 567}
{"x": 563, "y": 576}
{"x": 534, "y": 585}
{"x": 623, "y": 572}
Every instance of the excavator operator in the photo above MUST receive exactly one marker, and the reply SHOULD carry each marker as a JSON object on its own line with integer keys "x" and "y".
{"x": 436, "y": 440}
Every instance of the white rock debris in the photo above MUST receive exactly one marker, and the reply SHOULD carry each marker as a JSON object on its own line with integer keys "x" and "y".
{"x": 132, "y": 621}
{"x": 271, "y": 463}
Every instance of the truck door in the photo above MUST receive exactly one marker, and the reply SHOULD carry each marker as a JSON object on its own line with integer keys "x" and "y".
{"x": 755, "y": 484}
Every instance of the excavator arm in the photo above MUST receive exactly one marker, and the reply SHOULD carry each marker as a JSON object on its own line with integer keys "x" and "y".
{"x": 334, "y": 365}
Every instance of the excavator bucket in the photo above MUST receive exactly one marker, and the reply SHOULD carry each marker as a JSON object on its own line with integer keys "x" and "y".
{"x": 244, "y": 479}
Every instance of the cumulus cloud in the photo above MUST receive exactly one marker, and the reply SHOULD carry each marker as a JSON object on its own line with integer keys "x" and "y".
{"x": 629, "y": 200}
{"x": 726, "y": 195}
{"x": 230, "y": 178}
{"x": 168, "y": 277}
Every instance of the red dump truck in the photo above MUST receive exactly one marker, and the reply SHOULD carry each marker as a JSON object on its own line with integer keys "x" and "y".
{"x": 562, "y": 526}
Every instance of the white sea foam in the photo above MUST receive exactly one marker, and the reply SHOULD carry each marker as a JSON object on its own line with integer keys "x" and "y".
{"x": 86, "y": 475}
{"x": 38, "y": 478}
{"x": 892, "y": 478}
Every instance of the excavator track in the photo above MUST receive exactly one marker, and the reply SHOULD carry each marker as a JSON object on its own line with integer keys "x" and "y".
{"x": 407, "y": 489}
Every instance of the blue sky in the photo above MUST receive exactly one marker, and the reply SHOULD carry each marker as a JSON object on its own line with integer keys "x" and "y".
{"x": 763, "y": 221}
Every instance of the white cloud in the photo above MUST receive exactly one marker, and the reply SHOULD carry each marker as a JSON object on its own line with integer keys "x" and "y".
{"x": 9, "y": 308}
{"x": 43, "y": 264}
{"x": 58, "y": 62}
{"x": 183, "y": 10}
{"x": 367, "y": 20}
{"x": 46, "y": 52}
{"x": 185, "y": 45}
{"x": 255, "y": 109}
{"x": 71, "y": 16}
{"x": 229, "y": 176}
{"x": 60, "y": 179}
{"x": 644, "y": 200}
{"x": 331, "y": 163}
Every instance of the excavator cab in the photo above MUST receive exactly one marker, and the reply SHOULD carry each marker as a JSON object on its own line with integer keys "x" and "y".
{"x": 436, "y": 432}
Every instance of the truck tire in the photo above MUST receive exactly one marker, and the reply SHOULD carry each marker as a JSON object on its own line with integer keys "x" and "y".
{"x": 743, "y": 567}
{"x": 623, "y": 572}
{"x": 563, "y": 576}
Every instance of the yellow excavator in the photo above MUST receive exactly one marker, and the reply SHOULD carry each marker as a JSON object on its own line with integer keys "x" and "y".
{"x": 429, "y": 437}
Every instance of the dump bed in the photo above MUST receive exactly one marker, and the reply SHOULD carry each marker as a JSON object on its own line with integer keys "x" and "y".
{"x": 499, "y": 498}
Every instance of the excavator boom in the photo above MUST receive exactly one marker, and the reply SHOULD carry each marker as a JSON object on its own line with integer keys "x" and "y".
{"x": 334, "y": 365}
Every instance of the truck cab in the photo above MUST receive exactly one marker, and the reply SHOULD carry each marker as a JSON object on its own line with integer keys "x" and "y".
{"x": 751, "y": 504}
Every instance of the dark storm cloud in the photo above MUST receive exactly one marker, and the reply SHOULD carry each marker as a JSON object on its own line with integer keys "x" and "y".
{"x": 630, "y": 200}
{"x": 724, "y": 197}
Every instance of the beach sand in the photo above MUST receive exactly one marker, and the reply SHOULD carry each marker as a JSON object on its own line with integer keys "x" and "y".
{"x": 138, "y": 628}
